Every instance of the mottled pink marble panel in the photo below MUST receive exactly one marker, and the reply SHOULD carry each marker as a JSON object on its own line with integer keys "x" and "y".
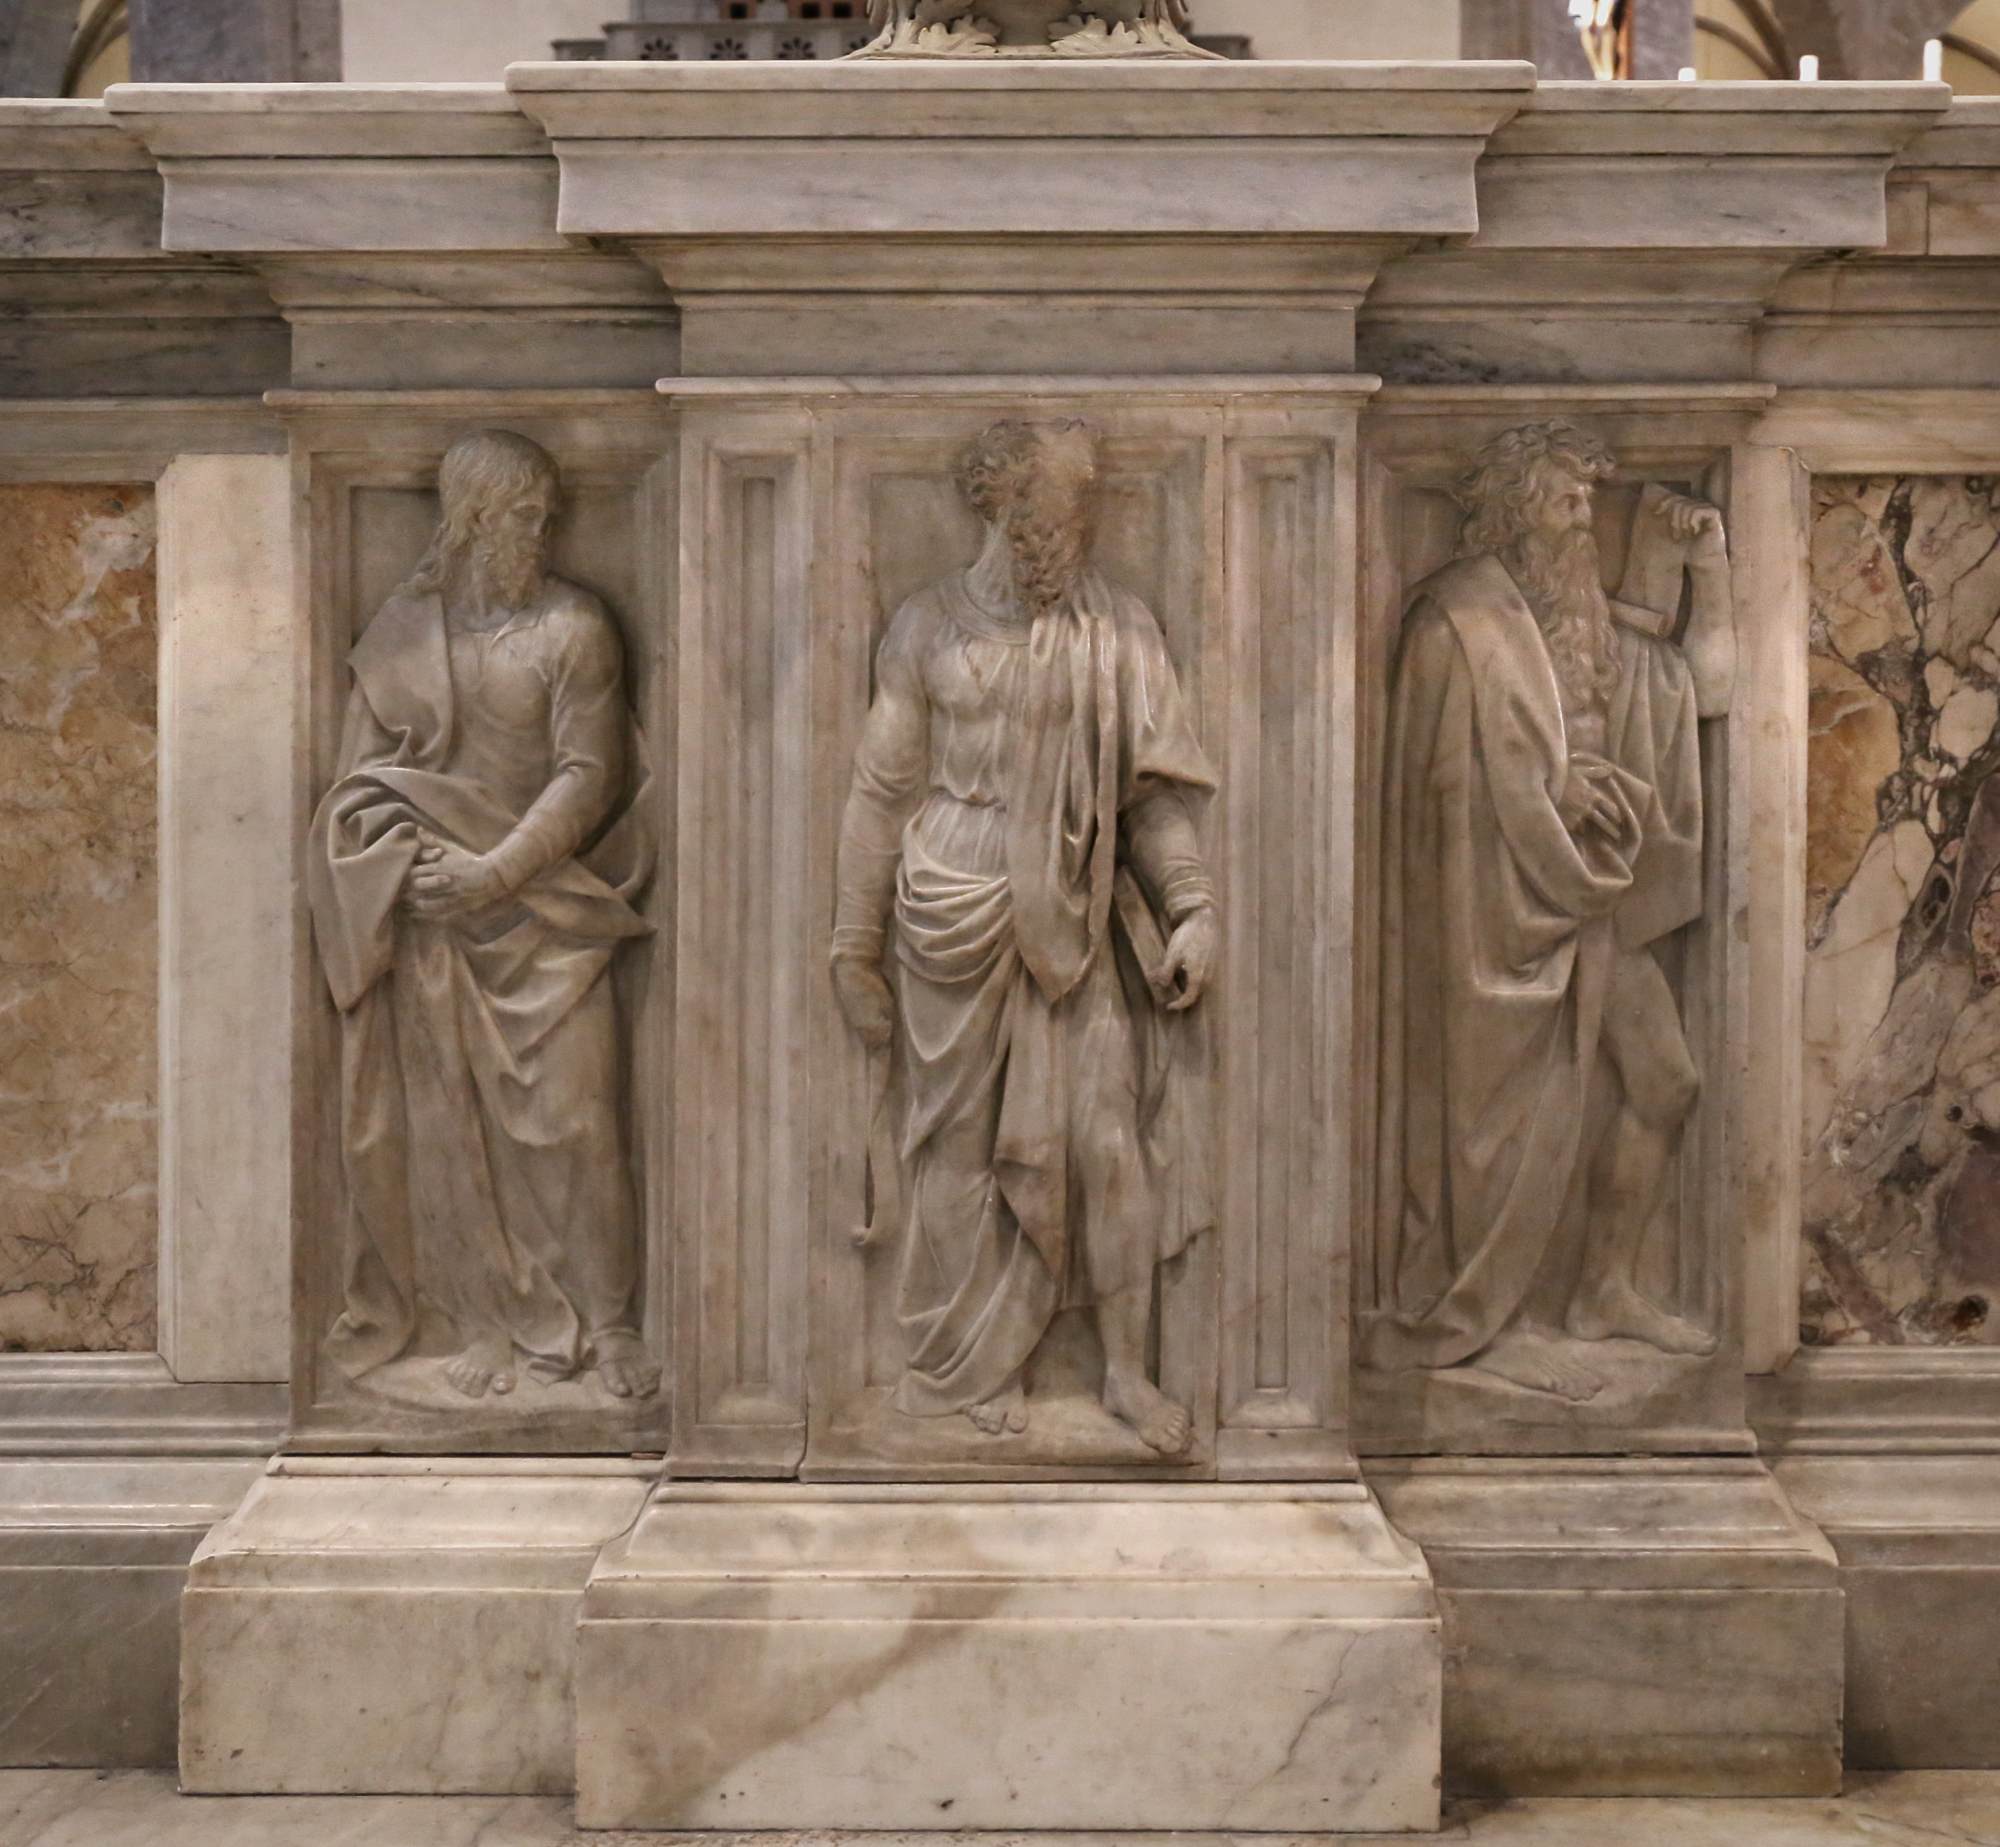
{"x": 78, "y": 935}
{"x": 1902, "y": 1004}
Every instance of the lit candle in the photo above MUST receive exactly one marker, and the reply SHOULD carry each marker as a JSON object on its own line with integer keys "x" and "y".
{"x": 1933, "y": 60}
{"x": 1809, "y": 69}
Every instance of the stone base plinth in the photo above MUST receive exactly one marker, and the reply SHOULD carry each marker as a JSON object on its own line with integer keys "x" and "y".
{"x": 1049, "y": 1658}
{"x": 1918, "y": 1539}
{"x": 93, "y": 1554}
{"x": 1628, "y": 1628}
{"x": 374, "y": 1627}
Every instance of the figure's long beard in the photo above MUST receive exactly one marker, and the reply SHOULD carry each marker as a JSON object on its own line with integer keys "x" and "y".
{"x": 510, "y": 573}
{"x": 1562, "y": 577}
{"x": 1049, "y": 547}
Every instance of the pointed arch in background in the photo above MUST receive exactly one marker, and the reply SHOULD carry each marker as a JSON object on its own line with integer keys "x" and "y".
{"x": 101, "y": 53}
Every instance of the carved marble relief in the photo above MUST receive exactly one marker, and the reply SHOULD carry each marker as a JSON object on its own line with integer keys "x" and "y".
{"x": 1543, "y": 851}
{"x": 1902, "y": 1001}
{"x": 1030, "y": 28}
{"x": 1025, "y": 923}
{"x": 475, "y": 872}
{"x": 78, "y": 910}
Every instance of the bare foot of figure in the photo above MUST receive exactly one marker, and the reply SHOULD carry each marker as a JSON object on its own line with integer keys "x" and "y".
{"x": 485, "y": 1366}
{"x": 1540, "y": 1365}
{"x": 1136, "y": 1400}
{"x": 627, "y": 1369}
{"x": 1006, "y": 1411}
{"x": 1617, "y": 1309}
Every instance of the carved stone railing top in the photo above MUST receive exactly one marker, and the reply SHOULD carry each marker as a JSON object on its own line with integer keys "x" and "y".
{"x": 1030, "y": 28}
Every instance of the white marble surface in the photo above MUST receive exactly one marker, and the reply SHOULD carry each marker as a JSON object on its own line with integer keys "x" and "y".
{"x": 1007, "y": 1658}
{"x": 377, "y": 1626}
{"x": 93, "y": 1554}
{"x": 1621, "y": 1626}
{"x": 227, "y": 686}
{"x": 46, "y": 1808}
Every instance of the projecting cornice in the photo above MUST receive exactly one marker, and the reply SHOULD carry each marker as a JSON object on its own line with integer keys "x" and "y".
{"x": 602, "y": 225}
{"x": 1654, "y": 217}
{"x": 407, "y": 232}
{"x": 1204, "y": 215}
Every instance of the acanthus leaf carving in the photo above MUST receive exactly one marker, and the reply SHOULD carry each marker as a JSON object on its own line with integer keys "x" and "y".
{"x": 1030, "y": 28}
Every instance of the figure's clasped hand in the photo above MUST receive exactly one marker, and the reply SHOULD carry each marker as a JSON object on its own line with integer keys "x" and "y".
{"x": 1588, "y": 799}
{"x": 1698, "y": 526}
{"x": 1191, "y": 956}
{"x": 447, "y": 881}
{"x": 865, "y": 1001}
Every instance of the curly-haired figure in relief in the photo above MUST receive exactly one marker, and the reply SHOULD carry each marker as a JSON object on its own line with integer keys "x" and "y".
{"x": 1021, "y": 809}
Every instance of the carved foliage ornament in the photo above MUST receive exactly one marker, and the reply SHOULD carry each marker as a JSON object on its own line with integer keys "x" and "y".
{"x": 1030, "y": 28}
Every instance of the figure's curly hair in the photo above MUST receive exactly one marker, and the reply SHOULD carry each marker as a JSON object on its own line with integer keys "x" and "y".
{"x": 1001, "y": 457}
{"x": 1504, "y": 494}
{"x": 487, "y": 466}
{"x": 1515, "y": 473}
{"x": 997, "y": 474}
{"x": 994, "y": 464}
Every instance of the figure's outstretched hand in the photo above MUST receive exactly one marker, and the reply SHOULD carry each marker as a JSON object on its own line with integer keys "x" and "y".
{"x": 1191, "y": 956}
{"x": 447, "y": 881}
{"x": 1698, "y": 526}
{"x": 865, "y": 1001}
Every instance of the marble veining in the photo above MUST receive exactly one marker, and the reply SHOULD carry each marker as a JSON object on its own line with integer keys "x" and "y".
{"x": 78, "y": 935}
{"x": 1902, "y": 1003}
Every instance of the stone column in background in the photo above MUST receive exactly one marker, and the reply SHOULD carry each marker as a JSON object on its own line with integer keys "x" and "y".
{"x": 1543, "y": 32}
{"x": 34, "y": 46}
{"x": 235, "y": 41}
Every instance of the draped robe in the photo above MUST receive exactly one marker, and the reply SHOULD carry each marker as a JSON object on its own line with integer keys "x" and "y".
{"x": 1500, "y": 934}
{"x": 1048, "y": 1158}
{"x": 484, "y": 1152}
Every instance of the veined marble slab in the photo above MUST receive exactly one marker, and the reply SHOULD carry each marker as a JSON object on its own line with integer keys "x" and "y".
{"x": 78, "y": 936}
{"x": 383, "y": 1626}
{"x": 1902, "y": 993}
{"x": 1064, "y": 1657}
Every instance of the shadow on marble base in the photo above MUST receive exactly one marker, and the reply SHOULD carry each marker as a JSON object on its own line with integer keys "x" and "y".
{"x": 1918, "y": 1538}
{"x": 93, "y": 1554}
{"x": 369, "y": 1625}
{"x": 1627, "y": 1628}
{"x": 1119, "y": 1657}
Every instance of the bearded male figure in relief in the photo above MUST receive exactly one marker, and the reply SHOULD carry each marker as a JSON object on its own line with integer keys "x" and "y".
{"x": 473, "y": 871}
{"x": 1543, "y": 838}
{"x": 1021, "y": 812}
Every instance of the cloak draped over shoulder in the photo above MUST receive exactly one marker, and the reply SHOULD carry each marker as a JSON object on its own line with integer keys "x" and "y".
{"x": 1049, "y": 1159}
{"x": 1499, "y": 933}
{"x": 480, "y": 1125}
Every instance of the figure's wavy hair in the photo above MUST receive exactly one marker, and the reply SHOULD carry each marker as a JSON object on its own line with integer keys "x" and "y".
{"x": 1515, "y": 473}
{"x": 487, "y": 466}
{"x": 999, "y": 458}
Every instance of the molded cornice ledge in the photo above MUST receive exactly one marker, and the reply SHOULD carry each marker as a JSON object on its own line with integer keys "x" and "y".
{"x": 1645, "y": 221}
{"x": 1193, "y": 217}
{"x": 1924, "y": 313}
{"x": 407, "y": 231}
{"x": 86, "y": 292}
